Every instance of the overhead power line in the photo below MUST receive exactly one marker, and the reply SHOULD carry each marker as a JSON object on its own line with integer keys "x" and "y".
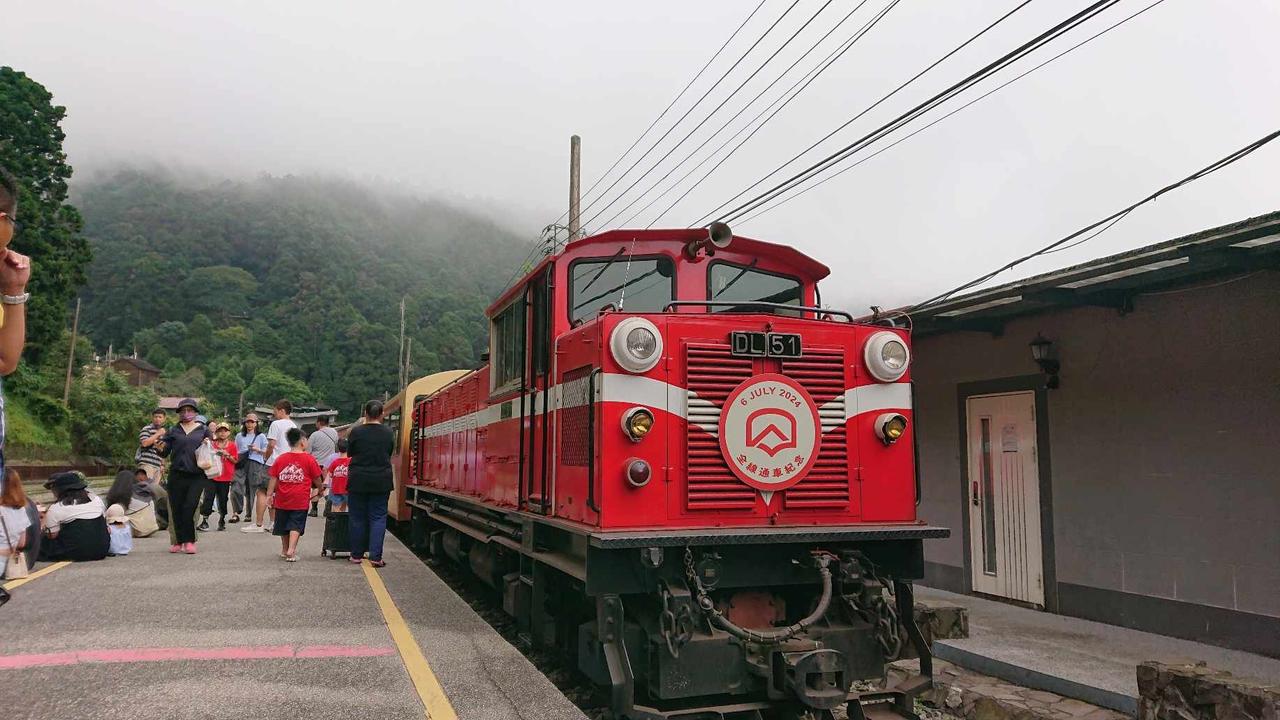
{"x": 672, "y": 104}
{"x": 714, "y": 110}
{"x": 723, "y": 126}
{"x": 1112, "y": 218}
{"x": 693, "y": 107}
{"x": 537, "y": 242}
{"x": 791, "y": 94}
{"x": 939, "y": 119}
{"x": 867, "y": 109}
{"x": 991, "y": 68}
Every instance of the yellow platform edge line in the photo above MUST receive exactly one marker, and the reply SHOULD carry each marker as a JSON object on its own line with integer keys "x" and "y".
{"x": 37, "y": 574}
{"x": 424, "y": 680}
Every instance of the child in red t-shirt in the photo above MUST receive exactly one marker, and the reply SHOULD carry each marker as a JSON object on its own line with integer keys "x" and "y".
{"x": 293, "y": 477}
{"x": 336, "y": 473}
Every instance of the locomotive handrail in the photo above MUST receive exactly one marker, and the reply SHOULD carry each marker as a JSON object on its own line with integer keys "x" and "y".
{"x": 755, "y": 305}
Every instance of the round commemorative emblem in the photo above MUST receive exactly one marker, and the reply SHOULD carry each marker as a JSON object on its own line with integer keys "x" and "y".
{"x": 769, "y": 432}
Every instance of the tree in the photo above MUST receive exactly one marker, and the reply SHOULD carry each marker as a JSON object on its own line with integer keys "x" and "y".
{"x": 220, "y": 290}
{"x": 224, "y": 388}
{"x": 106, "y": 413}
{"x": 269, "y": 385}
{"x": 31, "y": 149}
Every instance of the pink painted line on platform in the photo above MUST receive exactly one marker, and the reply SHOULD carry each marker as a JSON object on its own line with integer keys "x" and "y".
{"x": 144, "y": 655}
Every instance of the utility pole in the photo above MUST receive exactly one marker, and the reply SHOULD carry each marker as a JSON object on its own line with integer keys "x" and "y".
{"x": 408, "y": 362}
{"x": 575, "y": 161}
{"x": 400, "y": 359}
{"x": 71, "y": 356}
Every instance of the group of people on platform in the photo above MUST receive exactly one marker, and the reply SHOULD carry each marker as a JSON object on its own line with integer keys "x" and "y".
{"x": 270, "y": 481}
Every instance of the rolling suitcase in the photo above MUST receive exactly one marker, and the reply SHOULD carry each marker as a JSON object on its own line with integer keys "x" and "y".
{"x": 336, "y": 535}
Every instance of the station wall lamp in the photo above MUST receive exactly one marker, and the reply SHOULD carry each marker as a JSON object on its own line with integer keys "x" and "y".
{"x": 1044, "y": 355}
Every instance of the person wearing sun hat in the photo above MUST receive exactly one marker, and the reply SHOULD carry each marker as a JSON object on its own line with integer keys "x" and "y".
{"x": 74, "y": 526}
{"x": 187, "y": 480}
{"x": 224, "y": 451}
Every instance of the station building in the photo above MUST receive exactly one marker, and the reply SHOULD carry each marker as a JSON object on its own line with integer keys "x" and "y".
{"x": 1104, "y": 440}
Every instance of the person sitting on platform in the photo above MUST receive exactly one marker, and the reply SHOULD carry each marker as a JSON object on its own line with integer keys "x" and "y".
{"x": 293, "y": 477}
{"x": 13, "y": 518}
{"x": 74, "y": 526}
{"x": 149, "y": 490}
{"x": 133, "y": 502}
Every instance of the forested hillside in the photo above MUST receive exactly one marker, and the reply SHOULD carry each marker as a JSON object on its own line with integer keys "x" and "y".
{"x": 285, "y": 285}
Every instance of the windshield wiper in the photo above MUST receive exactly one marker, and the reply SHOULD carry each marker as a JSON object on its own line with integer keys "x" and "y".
{"x": 596, "y": 277}
{"x": 737, "y": 277}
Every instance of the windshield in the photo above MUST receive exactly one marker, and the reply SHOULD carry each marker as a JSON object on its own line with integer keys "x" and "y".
{"x": 743, "y": 283}
{"x": 649, "y": 284}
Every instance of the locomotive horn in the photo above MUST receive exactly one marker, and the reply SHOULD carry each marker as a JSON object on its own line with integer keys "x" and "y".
{"x": 718, "y": 237}
{"x": 719, "y": 234}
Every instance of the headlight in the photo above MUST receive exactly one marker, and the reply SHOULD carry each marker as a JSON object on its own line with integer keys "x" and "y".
{"x": 886, "y": 356}
{"x": 637, "y": 422}
{"x": 636, "y": 345}
{"x": 889, "y": 427}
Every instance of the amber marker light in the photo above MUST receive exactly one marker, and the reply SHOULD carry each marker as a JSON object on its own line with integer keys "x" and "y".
{"x": 890, "y": 427}
{"x": 637, "y": 422}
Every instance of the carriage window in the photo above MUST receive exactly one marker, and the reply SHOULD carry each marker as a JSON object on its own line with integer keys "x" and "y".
{"x": 647, "y": 286}
{"x": 507, "y": 353}
{"x": 743, "y": 283}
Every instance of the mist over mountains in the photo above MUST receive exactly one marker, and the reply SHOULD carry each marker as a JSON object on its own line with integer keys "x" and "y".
{"x": 229, "y": 284}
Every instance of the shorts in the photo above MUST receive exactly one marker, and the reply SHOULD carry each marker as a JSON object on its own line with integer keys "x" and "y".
{"x": 290, "y": 521}
{"x": 338, "y": 498}
{"x": 255, "y": 477}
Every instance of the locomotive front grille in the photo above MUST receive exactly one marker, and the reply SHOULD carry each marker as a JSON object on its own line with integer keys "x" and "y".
{"x": 713, "y": 372}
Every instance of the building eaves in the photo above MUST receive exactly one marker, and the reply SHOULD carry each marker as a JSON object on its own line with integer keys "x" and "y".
{"x": 1113, "y": 281}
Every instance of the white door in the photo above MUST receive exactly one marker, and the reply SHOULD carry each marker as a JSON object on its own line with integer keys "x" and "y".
{"x": 1004, "y": 497}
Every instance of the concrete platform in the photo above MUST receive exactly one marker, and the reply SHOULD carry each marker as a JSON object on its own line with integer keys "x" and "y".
{"x": 235, "y": 632}
{"x": 1081, "y": 659}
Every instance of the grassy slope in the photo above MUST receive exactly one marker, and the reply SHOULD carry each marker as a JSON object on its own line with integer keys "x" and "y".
{"x": 27, "y": 438}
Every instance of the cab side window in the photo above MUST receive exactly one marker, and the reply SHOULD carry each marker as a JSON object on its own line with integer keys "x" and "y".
{"x": 506, "y": 335}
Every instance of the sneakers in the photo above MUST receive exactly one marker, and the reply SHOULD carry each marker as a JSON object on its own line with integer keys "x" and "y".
{"x": 234, "y": 519}
{"x": 222, "y": 525}
{"x": 252, "y": 529}
{"x": 175, "y": 548}
{"x": 189, "y": 548}
{"x": 268, "y": 527}
{"x": 204, "y": 524}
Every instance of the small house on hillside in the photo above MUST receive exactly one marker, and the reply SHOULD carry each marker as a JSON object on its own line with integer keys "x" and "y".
{"x": 139, "y": 371}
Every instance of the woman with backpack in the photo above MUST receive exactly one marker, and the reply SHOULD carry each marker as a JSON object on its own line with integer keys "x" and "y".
{"x": 251, "y": 468}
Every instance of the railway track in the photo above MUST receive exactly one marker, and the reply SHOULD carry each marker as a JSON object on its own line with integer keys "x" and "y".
{"x": 484, "y": 601}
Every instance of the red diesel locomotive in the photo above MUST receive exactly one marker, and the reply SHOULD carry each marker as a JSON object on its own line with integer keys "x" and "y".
{"x": 679, "y": 469}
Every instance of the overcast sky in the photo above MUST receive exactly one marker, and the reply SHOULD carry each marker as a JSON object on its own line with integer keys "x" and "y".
{"x": 476, "y": 101}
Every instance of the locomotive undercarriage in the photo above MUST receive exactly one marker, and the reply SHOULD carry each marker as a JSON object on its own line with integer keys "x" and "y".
{"x": 695, "y": 626}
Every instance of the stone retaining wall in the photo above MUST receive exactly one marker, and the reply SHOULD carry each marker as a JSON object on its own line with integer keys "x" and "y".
{"x": 1197, "y": 692}
{"x": 936, "y": 622}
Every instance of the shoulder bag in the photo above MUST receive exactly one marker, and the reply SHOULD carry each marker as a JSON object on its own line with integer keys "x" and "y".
{"x": 16, "y": 568}
{"x": 244, "y": 458}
